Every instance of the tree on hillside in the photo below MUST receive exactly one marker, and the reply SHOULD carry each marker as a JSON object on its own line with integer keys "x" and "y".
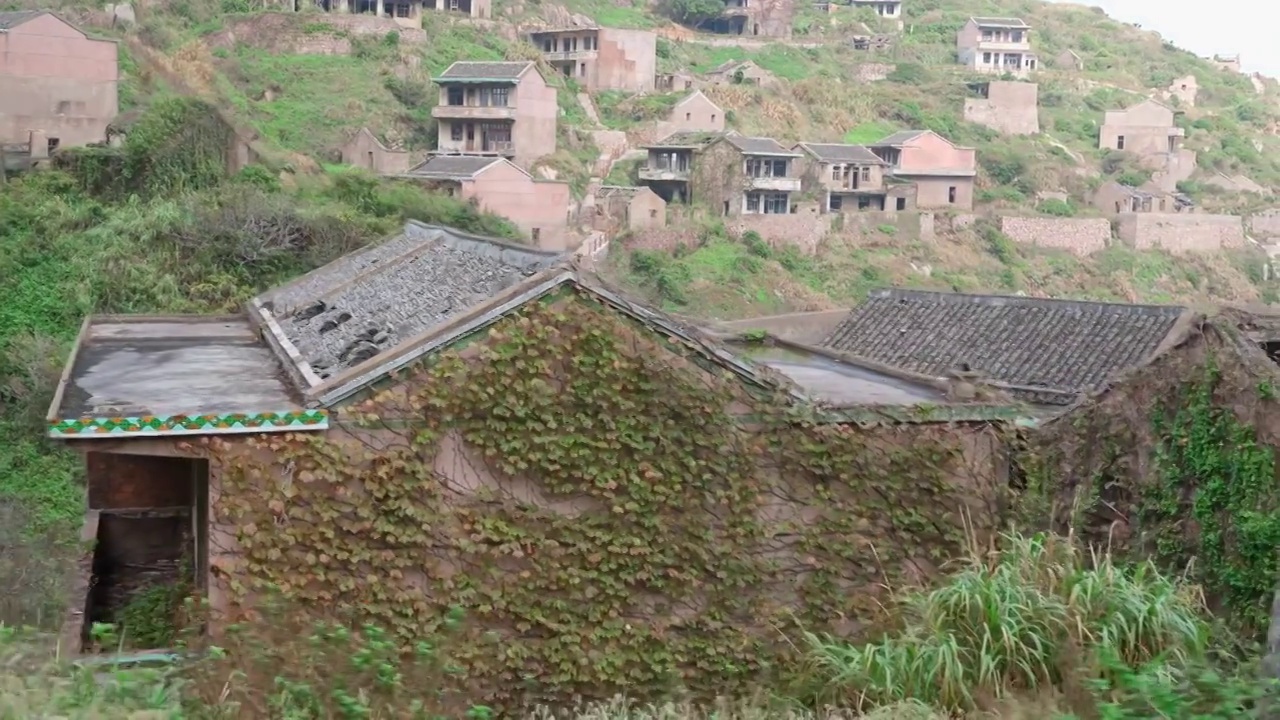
{"x": 692, "y": 12}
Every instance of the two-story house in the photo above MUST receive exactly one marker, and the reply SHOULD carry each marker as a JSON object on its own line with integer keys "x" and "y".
{"x": 406, "y": 13}
{"x": 851, "y": 178}
{"x": 764, "y": 18}
{"x": 996, "y": 45}
{"x": 496, "y": 108}
{"x": 942, "y": 171}
{"x": 601, "y": 58}
{"x": 732, "y": 173}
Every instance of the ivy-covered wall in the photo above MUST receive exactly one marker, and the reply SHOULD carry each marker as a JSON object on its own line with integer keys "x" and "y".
{"x": 1177, "y": 463}
{"x": 612, "y": 511}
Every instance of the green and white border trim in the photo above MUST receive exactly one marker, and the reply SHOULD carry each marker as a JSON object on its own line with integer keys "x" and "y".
{"x": 222, "y": 424}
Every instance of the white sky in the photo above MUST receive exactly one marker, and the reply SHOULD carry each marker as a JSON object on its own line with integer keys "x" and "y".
{"x": 1227, "y": 27}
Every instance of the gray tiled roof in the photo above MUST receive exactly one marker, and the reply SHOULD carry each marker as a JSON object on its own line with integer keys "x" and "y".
{"x": 460, "y": 167}
{"x": 1000, "y": 22}
{"x": 478, "y": 70}
{"x": 757, "y": 145}
{"x": 14, "y": 18}
{"x": 839, "y": 153}
{"x": 371, "y": 301}
{"x": 1058, "y": 345}
{"x": 899, "y": 138}
{"x": 689, "y": 138}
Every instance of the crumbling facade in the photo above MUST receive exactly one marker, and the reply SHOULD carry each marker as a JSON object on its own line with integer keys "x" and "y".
{"x": 57, "y": 84}
{"x": 407, "y": 13}
{"x": 731, "y": 174}
{"x": 365, "y": 150}
{"x": 1011, "y": 108}
{"x": 621, "y": 208}
{"x": 851, "y": 178}
{"x": 601, "y": 58}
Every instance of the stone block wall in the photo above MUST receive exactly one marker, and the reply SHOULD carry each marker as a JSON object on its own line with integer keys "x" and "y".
{"x": 872, "y": 72}
{"x": 805, "y": 230}
{"x": 1264, "y": 225}
{"x": 1179, "y": 232}
{"x": 1080, "y": 236}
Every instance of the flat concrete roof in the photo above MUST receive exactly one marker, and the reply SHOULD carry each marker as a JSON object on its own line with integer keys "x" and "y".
{"x": 831, "y": 381}
{"x": 147, "y": 369}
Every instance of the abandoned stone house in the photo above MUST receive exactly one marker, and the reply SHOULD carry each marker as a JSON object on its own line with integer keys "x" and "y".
{"x": 542, "y": 209}
{"x": 740, "y": 72}
{"x": 996, "y": 45}
{"x": 942, "y": 172}
{"x": 620, "y": 209}
{"x": 1230, "y": 63}
{"x": 851, "y": 178}
{"x": 673, "y": 82}
{"x": 695, "y": 113}
{"x": 1011, "y": 108}
{"x": 1114, "y": 198}
{"x": 1068, "y": 60}
{"x": 599, "y": 58}
{"x": 502, "y": 109}
{"x": 728, "y": 172}
{"x": 366, "y": 150}
{"x": 763, "y": 18}
{"x": 58, "y": 86}
{"x": 405, "y": 12}
{"x": 1184, "y": 89}
{"x": 1145, "y": 128}
{"x": 141, "y": 396}
{"x": 888, "y": 9}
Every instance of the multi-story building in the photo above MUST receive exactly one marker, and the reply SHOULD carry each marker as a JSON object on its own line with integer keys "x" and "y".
{"x": 942, "y": 172}
{"x": 496, "y": 108}
{"x": 406, "y": 12}
{"x": 996, "y": 45}
{"x": 733, "y": 174}
{"x": 1146, "y": 128}
{"x": 601, "y": 58}
{"x": 851, "y": 178}
{"x": 887, "y": 9}
{"x": 57, "y": 84}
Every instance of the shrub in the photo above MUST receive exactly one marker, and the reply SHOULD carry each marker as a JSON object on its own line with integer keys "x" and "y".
{"x": 1057, "y": 207}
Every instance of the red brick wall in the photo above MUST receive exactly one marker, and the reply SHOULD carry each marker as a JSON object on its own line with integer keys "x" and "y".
{"x": 138, "y": 481}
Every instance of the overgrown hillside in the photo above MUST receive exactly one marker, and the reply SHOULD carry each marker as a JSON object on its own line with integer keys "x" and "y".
{"x": 269, "y": 70}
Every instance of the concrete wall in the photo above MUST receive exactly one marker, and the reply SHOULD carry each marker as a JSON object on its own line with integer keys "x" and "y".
{"x": 539, "y": 208}
{"x": 1180, "y": 233}
{"x": 1264, "y": 225}
{"x": 281, "y": 33}
{"x": 366, "y": 151}
{"x": 804, "y": 229}
{"x": 806, "y": 327}
{"x": 1146, "y": 128}
{"x": 626, "y": 60}
{"x": 55, "y": 80}
{"x": 1080, "y": 236}
{"x": 537, "y": 114}
{"x": 1010, "y": 107}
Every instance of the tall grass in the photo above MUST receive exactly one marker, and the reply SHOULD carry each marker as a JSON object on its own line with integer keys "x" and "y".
{"x": 1040, "y": 614}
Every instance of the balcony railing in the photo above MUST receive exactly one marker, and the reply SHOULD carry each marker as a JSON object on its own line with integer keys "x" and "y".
{"x": 668, "y": 173}
{"x": 476, "y": 147}
{"x": 1004, "y": 46}
{"x": 474, "y": 112}
{"x": 555, "y": 55}
{"x": 780, "y": 184}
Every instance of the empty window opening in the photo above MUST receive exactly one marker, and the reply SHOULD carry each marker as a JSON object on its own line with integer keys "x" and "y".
{"x": 537, "y": 233}
{"x": 951, "y": 194}
{"x": 1272, "y": 349}
{"x": 688, "y": 116}
{"x": 370, "y": 154}
{"x": 1119, "y": 142}
{"x": 902, "y": 203}
{"x": 52, "y": 144}
{"x": 834, "y": 202}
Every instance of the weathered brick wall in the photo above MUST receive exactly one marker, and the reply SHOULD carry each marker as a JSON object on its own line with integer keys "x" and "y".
{"x": 138, "y": 481}
{"x": 1080, "y": 236}
{"x": 1181, "y": 233}
{"x": 1264, "y": 225}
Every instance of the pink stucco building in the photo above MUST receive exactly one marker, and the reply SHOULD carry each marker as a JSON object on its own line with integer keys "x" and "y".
{"x": 55, "y": 81}
{"x": 500, "y": 109}
{"x": 942, "y": 171}
{"x": 540, "y": 208}
{"x": 601, "y": 58}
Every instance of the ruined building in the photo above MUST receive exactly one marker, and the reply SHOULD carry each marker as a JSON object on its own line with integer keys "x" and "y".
{"x": 601, "y": 58}
{"x": 496, "y": 108}
{"x": 762, "y": 18}
{"x": 996, "y": 45}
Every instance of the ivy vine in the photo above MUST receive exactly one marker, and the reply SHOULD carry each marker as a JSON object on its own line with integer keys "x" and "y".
{"x": 612, "y": 512}
{"x": 1215, "y": 505}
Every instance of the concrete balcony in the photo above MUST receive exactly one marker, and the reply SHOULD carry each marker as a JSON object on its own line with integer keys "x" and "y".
{"x": 567, "y": 55}
{"x": 476, "y": 147}
{"x": 777, "y": 184}
{"x": 473, "y": 112}
{"x": 664, "y": 174}
{"x": 993, "y": 46}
